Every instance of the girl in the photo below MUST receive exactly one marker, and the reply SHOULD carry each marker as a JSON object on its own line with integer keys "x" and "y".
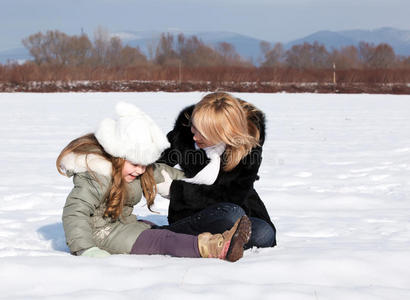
{"x": 111, "y": 170}
{"x": 218, "y": 119}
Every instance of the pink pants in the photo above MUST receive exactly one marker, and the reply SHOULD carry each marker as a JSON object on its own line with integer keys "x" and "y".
{"x": 166, "y": 242}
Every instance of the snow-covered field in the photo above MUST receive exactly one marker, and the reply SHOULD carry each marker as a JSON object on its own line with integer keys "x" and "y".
{"x": 335, "y": 178}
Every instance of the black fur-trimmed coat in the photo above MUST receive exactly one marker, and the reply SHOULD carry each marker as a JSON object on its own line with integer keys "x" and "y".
{"x": 235, "y": 186}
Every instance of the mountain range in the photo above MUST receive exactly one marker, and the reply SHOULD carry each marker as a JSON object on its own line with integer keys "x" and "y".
{"x": 398, "y": 39}
{"x": 249, "y": 47}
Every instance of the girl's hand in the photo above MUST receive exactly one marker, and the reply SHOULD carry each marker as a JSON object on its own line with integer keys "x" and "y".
{"x": 95, "y": 252}
{"x": 163, "y": 187}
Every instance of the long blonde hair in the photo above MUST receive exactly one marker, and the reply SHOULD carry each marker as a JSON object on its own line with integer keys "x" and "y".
{"x": 220, "y": 117}
{"x": 117, "y": 195}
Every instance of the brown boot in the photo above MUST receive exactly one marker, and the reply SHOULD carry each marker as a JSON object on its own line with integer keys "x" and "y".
{"x": 228, "y": 245}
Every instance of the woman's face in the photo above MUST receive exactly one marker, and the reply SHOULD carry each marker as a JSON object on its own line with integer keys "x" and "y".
{"x": 131, "y": 171}
{"x": 199, "y": 138}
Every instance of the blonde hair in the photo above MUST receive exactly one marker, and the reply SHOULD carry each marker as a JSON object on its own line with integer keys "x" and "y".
{"x": 220, "y": 117}
{"x": 117, "y": 195}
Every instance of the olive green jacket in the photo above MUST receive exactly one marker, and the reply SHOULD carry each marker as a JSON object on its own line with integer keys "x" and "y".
{"x": 83, "y": 221}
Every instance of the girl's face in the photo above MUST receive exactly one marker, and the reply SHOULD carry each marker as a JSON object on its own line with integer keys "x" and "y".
{"x": 131, "y": 171}
{"x": 199, "y": 138}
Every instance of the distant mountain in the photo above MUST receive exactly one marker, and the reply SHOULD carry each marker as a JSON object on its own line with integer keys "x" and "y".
{"x": 248, "y": 47}
{"x": 15, "y": 54}
{"x": 398, "y": 39}
{"x": 328, "y": 38}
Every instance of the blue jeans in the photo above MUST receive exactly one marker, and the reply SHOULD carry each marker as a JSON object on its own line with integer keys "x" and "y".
{"x": 220, "y": 217}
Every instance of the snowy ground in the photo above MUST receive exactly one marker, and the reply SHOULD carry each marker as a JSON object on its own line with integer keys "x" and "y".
{"x": 335, "y": 179}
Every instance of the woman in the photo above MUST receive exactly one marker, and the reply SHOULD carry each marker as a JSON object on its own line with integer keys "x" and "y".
{"x": 218, "y": 120}
{"x": 111, "y": 169}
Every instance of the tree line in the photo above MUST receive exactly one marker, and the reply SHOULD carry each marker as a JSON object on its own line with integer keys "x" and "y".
{"x": 60, "y": 49}
{"x": 316, "y": 56}
{"x": 59, "y": 56}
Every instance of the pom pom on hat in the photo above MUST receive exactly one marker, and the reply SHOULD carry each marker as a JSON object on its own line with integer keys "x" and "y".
{"x": 133, "y": 136}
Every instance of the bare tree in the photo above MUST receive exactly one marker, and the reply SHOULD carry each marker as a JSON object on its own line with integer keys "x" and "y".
{"x": 58, "y": 48}
{"x": 229, "y": 55}
{"x": 308, "y": 56}
{"x": 265, "y": 47}
{"x": 80, "y": 50}
{"x": 377, "y": 57}
{"x": 101, "y": 45}
{"x": 165, "y": 52}
{"x": 131, "y": 56}
{"x": 151, "y": 48}
{"x": 383, "y": 57}
{"x": 273, "y": 57}
{"x": 346, "y": 58}
{"x": 194, "y": 53}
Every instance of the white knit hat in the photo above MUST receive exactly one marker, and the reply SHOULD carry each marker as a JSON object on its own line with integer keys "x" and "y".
{"x": 133, "y": 136}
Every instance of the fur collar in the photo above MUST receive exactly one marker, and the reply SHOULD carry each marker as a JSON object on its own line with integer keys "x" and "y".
{"x": 76, "y": 163}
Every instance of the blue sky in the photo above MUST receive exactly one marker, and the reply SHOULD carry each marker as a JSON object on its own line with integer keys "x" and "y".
{"x": 274, "y": 21}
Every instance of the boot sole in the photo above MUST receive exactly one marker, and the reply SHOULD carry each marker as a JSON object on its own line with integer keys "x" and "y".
{"x": 239, "y": 239}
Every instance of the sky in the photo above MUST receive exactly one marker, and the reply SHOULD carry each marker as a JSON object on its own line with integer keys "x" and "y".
{"x": 273, "y": 21}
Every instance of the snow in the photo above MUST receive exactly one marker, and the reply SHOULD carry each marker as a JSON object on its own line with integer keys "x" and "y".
{"x": 335, "y": 179}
